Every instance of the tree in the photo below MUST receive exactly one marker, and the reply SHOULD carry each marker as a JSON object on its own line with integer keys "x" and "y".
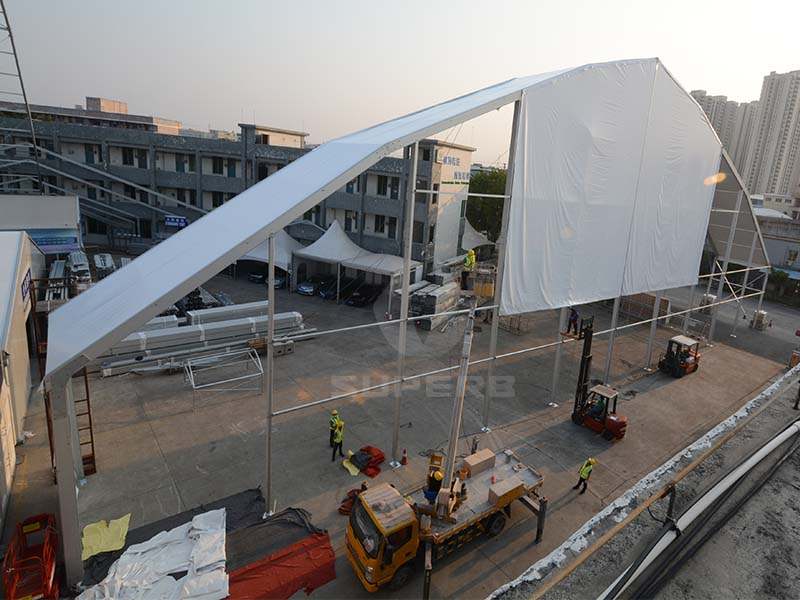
{"x": 486, "y": 214}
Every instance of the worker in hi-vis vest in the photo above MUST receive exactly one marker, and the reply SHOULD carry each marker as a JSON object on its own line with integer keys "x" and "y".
{"x": 584, "y": 474}
{"x": 334, "y": 420}
{"x": 469, "y": 266}
{"x": 338, "y": 438}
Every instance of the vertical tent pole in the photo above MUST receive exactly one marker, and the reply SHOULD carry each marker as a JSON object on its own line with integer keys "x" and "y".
{"x": 562, "y": 323}
{"x": 67, "y": 480}
{"x": 489, "y": 388}
{"x": 763, "y": 290}
{"x": 614, "y": 316}
{"x": 338, "y": 279}
{"x": 411, "y": 186}
{"x": 391, "y": 293}
{"x": 270, "y": 364}
{"x": 653, "y": 326}
{"x": 723, "y": 274}
{"x": 686, "y": 317}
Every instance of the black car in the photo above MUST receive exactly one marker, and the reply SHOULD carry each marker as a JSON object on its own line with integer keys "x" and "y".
{"x": 346, "y": 287}
{"x": 312, "y": 285}
{"x": 256, "y": 277}
{"x": 364, "y": 296}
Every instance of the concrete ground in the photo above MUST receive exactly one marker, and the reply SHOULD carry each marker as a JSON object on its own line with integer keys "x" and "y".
{"x": 162, "y": 448}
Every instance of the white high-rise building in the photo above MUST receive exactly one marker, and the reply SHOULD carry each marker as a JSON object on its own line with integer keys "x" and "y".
{"x": 773, "y": 157}
{"x": 733, "y": 122}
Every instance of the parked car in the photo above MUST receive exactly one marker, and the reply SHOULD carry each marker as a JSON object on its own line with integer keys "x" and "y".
{"x": 347, "y": 286}
{"x": 312, "y": 285}
{"x": 256, "y": 277}
{"x": 365, "y": 295}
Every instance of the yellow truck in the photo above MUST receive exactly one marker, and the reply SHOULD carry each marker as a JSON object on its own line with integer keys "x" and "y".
{"x": 389, "y": 534}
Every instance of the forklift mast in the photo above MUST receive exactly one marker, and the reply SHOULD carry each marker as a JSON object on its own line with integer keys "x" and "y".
{"x": 586, "y": 333}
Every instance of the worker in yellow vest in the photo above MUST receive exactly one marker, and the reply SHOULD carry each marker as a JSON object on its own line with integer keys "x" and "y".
{"x": 469, "y": 266}
{"x": 334, "y": 420}
{"x": 338, "y": 438}
{"x": 584, "y": 474}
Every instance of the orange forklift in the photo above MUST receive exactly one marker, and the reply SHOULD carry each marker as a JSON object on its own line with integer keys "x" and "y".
{"x": 596, "y": 408}
{"x": 681, "y": 358}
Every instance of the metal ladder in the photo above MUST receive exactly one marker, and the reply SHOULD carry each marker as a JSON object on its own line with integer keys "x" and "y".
{"x": 83, "y": 419}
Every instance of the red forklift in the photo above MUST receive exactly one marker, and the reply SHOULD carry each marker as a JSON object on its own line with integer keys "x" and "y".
{"x": 596, "y": 407}
{"x": 681, "y": 358}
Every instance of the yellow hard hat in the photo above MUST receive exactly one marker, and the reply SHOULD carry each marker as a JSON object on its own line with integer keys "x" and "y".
{"x": 592, "y": 461}
{"x": 471, "y": 251}
{"x": 341, "y": 424}
{"x": 334, "y": 412}
{"x": 438, "y": 475}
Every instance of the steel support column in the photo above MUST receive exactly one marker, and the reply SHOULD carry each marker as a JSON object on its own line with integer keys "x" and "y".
{"x": 562, "y": 324}
{"x": 722, "y": 276}
{"x": 686, "y": 317}
{"x": 763, "y": 290}
{"x": 408, "y": 231}
{"x": 653, "y": 326}
{"x": 612, "y": 335}
{"x": 67, "y": 480}
{"x": 489, "y": 388}
{"x": 269, "y": 381}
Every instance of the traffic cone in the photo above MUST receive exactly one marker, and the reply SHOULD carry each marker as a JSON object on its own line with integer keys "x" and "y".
{"x": 404, "y": 458}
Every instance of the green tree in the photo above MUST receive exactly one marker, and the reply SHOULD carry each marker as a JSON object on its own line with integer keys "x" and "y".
{"x": 486, "y": 214}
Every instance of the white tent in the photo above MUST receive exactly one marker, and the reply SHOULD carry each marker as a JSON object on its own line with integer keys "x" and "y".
{"x": 284, "y": 246}
{"x": 333, "y": 247}
{"x": 472, "y": 238}
{"x": 382, "y": 264}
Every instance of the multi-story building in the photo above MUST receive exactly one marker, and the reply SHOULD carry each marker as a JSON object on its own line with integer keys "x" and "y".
{"x": 115, "y": 169}
{"x": 773, "y": 163}
{"x": 733, "y": 122}
{"x": 786, "y": 205}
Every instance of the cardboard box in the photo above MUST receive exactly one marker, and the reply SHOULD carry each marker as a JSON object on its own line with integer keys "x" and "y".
{"x": 479, "y": 462}
{"x": 505, "y": 491}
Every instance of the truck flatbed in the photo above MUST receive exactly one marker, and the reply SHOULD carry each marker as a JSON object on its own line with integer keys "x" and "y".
{"x": 477, "y": 505}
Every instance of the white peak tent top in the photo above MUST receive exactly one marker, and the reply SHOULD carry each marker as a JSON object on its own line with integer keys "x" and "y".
{"x": 334, "y": 246}
{"x": 473, "y": 238}
{"x": 284, "y": 246}
{"x": 580, "y": 179}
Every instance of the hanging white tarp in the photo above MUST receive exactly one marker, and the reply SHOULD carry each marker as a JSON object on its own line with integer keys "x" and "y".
{"x": 472, "y": 238}
{"x": 609, "y": 192}
{"x": 333, "y": 247}
{"x": 284, "y": 246}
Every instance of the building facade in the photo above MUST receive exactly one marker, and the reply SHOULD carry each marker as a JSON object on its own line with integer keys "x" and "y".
{"x": 114, "y": 171}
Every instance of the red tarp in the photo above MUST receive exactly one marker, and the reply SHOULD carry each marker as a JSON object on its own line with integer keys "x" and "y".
{"x": 306, "y": 564}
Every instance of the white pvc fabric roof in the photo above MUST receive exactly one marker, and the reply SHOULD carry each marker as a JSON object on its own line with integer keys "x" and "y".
{"x": 334, "y": 246}
{"x": 627, "y": 106}
{"x": 382, "y": 264}
{"x": 472, "y": 238}
{"x": 284, "y": 246}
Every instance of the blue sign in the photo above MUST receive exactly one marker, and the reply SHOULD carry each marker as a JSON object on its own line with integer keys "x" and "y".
{"x": 26, "y": 286}
{"x": 175, "y": 221}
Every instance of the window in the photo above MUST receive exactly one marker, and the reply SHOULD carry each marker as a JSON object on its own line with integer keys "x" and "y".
{"x": 130, "y": 192}
{"x": 193, "y": 197}
{"x": 90, "y": 153}
{"x": 180, "y": 163}
{"x": 353, "y": 186}
{"x": 350, "y": 220}
{"x": 96, "y": 227}
{"x": 145, "y": 229}
{"x": 191, "y": 163}
{"x": 180, "y": 195}
{"x": 398, "y": 538}
{"x": 91, "y": 192}
{"x": 380, "y": 223}
{"x": 422, "y": 184}
{"x": 216, "y": 198}
{"x": 141, "y": 158}
{"x": 431, "y": 231}
{"x": 419, "y": 227}
{"x": 231, "y": 167}
{"x": 127, "y": 157}
{"x": 263, "y": 171}
{"x": 791, "y": 256}
{"x": 143, "y": 196}
{"x": 392, "y": 229}
{"x": 262, "y": 138}
{"x": 383, "y": 184}
{"x": 426, "y": 154}
{"x": 217, "y": 165}
{"x": 395, "y": 187}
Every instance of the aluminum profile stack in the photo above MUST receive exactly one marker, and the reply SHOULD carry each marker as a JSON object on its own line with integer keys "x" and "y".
{"x": 56, "y": 292}
{"x": 104, "y": 265}
{"x": 434, "y": 299}
{"x": 226, "y": 313}
{"x": 442, "y": 277}
{"x": 161, "y": 323}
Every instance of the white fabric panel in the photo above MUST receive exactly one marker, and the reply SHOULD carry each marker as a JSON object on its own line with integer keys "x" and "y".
{"x": 473, "y": 238}
{"x": 673, "y": 203}
{"x": 333, "y": 247}
{"x": 579, "y": 147}
{"x": 284, "y": 246}
{"x": 382, "y": 264}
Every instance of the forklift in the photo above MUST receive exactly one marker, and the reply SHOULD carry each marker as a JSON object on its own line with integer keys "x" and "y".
{"x": 681, "y": 358}
{"x": 596, "y": 408}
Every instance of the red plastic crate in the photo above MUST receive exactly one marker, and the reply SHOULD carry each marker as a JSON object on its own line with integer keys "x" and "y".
{"x": 29, "y": 568}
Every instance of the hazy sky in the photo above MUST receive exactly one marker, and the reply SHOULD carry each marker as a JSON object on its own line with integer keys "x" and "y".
{"x": 330, "y": 67}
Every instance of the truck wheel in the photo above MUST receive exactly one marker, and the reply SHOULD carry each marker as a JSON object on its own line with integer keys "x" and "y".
{"x": 607, "y": 435}
{"x": 496, "y": 524}
{"x": 401, "y": 577}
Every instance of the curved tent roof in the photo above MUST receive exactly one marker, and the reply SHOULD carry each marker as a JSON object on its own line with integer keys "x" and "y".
{"x": 333, "y": 247}
{"x": 472, "y": 238}
{"x": 284, "y": 246}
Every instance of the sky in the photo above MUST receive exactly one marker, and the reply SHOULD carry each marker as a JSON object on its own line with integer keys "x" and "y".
{"x": 330, "y": 68}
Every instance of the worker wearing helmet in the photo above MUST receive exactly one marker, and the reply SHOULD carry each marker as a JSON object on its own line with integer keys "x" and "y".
{"x": 584, "y": 474}
{"x": 469, "y": 266}
{"x": 334, "y": 420}
{"x": 434, "y": 485}
{"x": 338, "y": 438}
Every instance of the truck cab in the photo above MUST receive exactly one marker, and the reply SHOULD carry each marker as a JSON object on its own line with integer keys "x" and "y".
{"x": 382, "y": 538}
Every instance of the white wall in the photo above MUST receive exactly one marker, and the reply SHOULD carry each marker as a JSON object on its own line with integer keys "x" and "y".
{"x": 282, "y": 139}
